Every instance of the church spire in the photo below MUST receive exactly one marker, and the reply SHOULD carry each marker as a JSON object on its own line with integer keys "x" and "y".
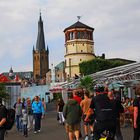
{"x": 47, "y": 49}
{"x": 40, "y": 18}
{"x": 33, "y": 48}
{"x": 40, "y": 44}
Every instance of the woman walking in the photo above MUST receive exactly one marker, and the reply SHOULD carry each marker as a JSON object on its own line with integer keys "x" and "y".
{"x": 38, "y": 110}
{"x": 60, "y": 106}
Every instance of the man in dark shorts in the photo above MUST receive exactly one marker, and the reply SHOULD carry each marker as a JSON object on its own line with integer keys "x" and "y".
{"x": 85, "y": 104}
{"x": 3, "y": 114}
{"x": 104, "y": 119}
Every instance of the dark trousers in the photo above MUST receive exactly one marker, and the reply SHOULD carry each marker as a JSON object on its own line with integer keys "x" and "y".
{"x": 37, "y": 117}
{"x": 137, "y": 133}
{"x": 101, "y": 126}
{"x": 2, "y": 132}
{"x": 25, "y": 130}
{"x": 118, "y": 130}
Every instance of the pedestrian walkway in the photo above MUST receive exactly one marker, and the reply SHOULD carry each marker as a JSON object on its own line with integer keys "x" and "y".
{"x": 52, "y": 130}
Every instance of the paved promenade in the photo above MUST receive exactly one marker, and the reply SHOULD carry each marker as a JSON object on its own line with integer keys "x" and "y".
{"x": 51, "y": 130}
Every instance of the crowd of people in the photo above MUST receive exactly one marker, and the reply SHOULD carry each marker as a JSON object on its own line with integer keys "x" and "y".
{"x": 99, "y": 114}
{"x": 28, "y": 115}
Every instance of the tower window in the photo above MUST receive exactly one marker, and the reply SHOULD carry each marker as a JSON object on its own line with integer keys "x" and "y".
{"x": 88, "y": 35}
{"x": 83, "y": 44}
{"x": 78, "y": 35}
{"x": 82, "y": 35}
{"x": 80, "y": 59}
{"x": 71, "y": 36}
{"x": 81, "y": 50}
{"x": 37, "y": 57}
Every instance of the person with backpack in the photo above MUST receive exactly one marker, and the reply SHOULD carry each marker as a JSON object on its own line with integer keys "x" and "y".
{"x": 72, "y": 113}
{"x": 104, "y": 116}
{"x": 3, "y": 114}
{"x": 136, "y": 105}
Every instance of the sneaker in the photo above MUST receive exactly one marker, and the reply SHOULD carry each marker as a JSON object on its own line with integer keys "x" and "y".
{"x": 29, "y": 129}
{"x": 86, "y": 138}
{"x": 91, "y": 134}
{"x": 35, "y": 132}
{"x": 38, "y": 130}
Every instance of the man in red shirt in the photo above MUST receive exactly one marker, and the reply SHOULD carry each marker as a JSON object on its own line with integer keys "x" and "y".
{"x": 76, "y": 96}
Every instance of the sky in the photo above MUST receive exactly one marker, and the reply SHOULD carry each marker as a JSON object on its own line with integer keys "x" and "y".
{"x": 116, "y": 24}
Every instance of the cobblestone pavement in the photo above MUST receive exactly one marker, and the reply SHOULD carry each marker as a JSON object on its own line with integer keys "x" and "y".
{"x": 51, "y": 130}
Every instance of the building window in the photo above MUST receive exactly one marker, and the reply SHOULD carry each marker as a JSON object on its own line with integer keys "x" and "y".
{"x": 71, "y": 36}
{"x": 87, "y": 35}
{"x": 80, "y": 59}
{"x": 83, "y": 44}
{"x": 78, "y": 35}
{"x": 81, "y": 50}
{"x": 37, "y": 57}
{"x": 82, "y": 35}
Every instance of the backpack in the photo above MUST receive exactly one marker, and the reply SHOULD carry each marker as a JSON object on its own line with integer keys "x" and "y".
{"x": 10, "y": 119}
{"x": 103, "y": 108}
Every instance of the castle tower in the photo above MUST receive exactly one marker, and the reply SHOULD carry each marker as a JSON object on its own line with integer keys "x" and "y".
{"x": 79, "y": 47}
{"x": 40, "y": 54}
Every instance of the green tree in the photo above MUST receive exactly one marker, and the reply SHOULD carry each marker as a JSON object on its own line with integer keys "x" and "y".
{"x": 98, "y": 64}
{"x": 87, "y": 83}
{"x": 3, "y": 93}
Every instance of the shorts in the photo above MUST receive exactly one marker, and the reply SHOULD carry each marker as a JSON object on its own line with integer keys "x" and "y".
{"x": 72, "y": 127}
{"x": 90, "y": 121}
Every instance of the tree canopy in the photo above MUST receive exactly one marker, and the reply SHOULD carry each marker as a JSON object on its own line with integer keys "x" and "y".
{"x": 3, "y": 93}
{"x": 98, "y": 64}
{"x": 87, "y": 83}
